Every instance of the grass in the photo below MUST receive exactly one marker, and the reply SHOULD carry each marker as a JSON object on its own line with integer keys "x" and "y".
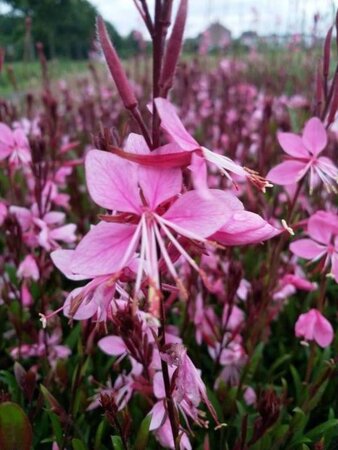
{"x": 27, "y": 76}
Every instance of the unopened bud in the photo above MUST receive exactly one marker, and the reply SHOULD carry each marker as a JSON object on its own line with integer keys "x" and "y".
{"x": 174, "y": 47}
{"x": 115, "y": 67}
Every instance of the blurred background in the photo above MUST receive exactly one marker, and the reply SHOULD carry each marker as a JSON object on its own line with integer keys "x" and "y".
{"x": 66, "y": 28}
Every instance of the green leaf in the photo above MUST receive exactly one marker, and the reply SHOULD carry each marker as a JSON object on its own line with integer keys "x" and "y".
{"x": 315, "y": 399}
{"x": 117, "y": 442}
{"x": 280, "y": 431}
{"x": 280, "y": 361}
{"x": 143, "y": 434}
{"x": 99, "y": 435}
{"x": 78, "y": 445}
{"x": 321, "y": 429}
{"x": 297, "y": 382}
{"x": 256, "y": 358}
{"x": 56, "y": 425}
{"x": 15, "y": 428}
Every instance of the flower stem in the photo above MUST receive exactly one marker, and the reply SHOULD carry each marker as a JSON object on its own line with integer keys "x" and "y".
{"x": 166, "y": 380}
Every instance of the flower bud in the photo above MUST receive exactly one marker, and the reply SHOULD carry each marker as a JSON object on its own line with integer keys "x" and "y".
{"x": 115, "y": 66}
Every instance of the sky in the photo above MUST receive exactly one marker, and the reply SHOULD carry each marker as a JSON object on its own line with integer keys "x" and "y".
{"x": 263, "y": 16}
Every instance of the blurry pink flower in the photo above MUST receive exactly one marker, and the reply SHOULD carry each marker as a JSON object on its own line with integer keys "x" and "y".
{"x": 14, "y": 144}
{"x": 205, "y": 321}
{"x": 232, "y": 357}
{"x": 38, "y": 349}
{"x": 113, "y": 345}
{"x": 95, "y": 299}
{"x": 323, "y": 243}
{"x": 243, "y": 289}
{"x": 28, "y": 268}
{"x": 304, "y": 152}
{"x": 250, "y": 396}
{"x": 147, "y": 210}
{"x": 232, "y": 318}
{"x": 188, "y": 389}
{"x": 312, "y": 326}
{"x": 288, "y": 285}
{"x": 26, "y": 296}
{"x": 164, "y": 433}
{"x": 3, "y": 212}
{"x": 44, "y": 231}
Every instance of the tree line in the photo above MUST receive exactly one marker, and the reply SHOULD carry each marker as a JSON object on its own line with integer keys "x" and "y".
{"x": 66, "y": 28}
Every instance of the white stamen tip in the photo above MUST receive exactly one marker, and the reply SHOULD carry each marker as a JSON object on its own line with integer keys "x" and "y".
{"x": 287, "y": 228}
{"x": 221, "y": 425}
{"x": 43, "y": 320}
{"x": 330, "y": 275}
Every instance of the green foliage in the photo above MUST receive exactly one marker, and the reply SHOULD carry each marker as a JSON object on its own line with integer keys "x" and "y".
{"x": 15, "y": 428}
{"x": 65, "y": 27}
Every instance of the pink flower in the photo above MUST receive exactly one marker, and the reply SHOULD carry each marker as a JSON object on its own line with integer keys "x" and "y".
{"x": 14, "y": 144}
{"x": 3, "y": 212}
{"x": 148, "y": 210}
{"x": 312, "y": 326}
{"x": 172, "y": 124}
{"x": 323, "y": 243}
{"x": 250, "y": 396}
{"x": 44, "y": 231}
{"x": 304, "y": 152}
{"x": 205, "y": 321}
{"x": 28, "y": 268}
{"x": 188, "y": 390}
{"x": 38, "y": 349}
{"x": 95, "y": 298}
{"x": 288, "y": 285}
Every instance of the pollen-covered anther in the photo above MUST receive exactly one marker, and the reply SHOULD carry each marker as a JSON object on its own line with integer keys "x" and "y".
{"x": 75, "y": 304}
{"x": 154, "y": 298}
{"x": 257, "y": 180}
{"x": 112, "y": 280}
{"x": 182, "y": 289}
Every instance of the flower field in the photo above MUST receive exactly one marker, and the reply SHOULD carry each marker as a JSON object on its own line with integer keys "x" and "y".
{"x": 169, "y": 248}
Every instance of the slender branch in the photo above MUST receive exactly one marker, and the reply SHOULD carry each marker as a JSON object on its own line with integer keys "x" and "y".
{"x": 166, "y": 380}
{"x": 146, "y": 17}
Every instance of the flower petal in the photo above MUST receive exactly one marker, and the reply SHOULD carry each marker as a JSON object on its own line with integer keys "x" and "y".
{"x": 66, "y": 233}
{"x": 158, "y": 414}
{"x": 63, "y": 260}
{"x": 307, "y": 249}
{"x": 322, "y": 225}
{"x": 135, "y": 143}
{"x": 244, "y": 228}
{"x": 305, "y": 325}
{"x": 85, "y": 311}
{"x": 112, "y": 182}
{"x": 323, "y": 332}
{"x": 198, "y": 170}
{"x": 157, "y": 184}
{"x": 102, "y": 249}
{"x": 198, "y": 215}
{"x": 288, "y": 172}
{"x": 292, "y": 144}
{"x": 6, "y": 141}
{"x": 173, "y": 125}
{"x": 112, "y": 345}
{"x": 314, "y": 136}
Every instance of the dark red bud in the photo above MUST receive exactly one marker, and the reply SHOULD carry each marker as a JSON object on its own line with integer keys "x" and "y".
{"x": 115, "y": 67}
